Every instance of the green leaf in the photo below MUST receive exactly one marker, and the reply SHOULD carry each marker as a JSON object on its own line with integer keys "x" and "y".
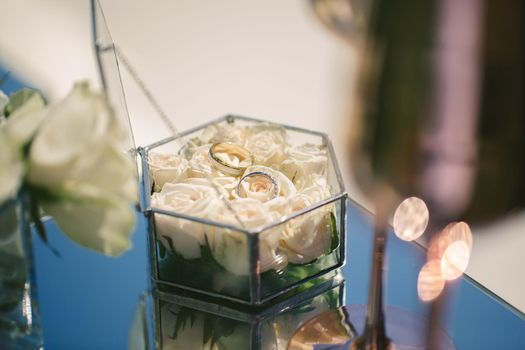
{"x": 335, "y": 232}
{"x": 19, "y": 98}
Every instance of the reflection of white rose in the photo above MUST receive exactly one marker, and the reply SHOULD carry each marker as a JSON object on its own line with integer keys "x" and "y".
{"x": 267, "y": 143}
{"x": 200, "y": 165}
{"x": 190, "y": 334}
{"x": 184, "y": 236}
{"x": 310, "y": 235}
{"x": 304, "y": 159}
{"x": 167, "y": 168}
{"x": 94, "y": 180}
{"x": 230, "y": 248}
{"x": 263, "y": 189}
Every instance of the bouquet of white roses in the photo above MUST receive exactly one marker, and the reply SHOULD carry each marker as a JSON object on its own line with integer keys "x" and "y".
{"x": 66, "y": 158}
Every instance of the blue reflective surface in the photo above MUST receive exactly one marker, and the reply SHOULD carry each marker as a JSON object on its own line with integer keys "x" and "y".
{"x": 88, "y": 301}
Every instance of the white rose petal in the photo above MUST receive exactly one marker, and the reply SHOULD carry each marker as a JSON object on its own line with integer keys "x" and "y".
{"x": 230, "y": 249}
{"x": 304, "y": 159}
{"x": 87, "y": 152}
{"x": 93, "y": 218}
{"x": 75, "y": 155}
{"x": 307, "y": 237}
{"x": 267, "y": 142}
{"x": 25, "y": 120}
{"x": 264, "y": 193}
{"x": 229, "y": 133}
{"x": 184, "y": 236}
{"x": 11, "y": 168}
{"x": 200, "y": 165}
{"x": 167, "y": 168}
{"x": 310, "y": 235}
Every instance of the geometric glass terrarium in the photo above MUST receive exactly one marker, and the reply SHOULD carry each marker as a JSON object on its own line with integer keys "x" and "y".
{"x": 252, "y": 233}
{"x": 238, "y": 208}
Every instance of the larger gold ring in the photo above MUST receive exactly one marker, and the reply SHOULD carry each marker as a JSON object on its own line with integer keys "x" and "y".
{"x": 232, "y": 149}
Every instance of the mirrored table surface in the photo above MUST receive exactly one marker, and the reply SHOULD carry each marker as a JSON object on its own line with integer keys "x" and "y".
{"x": 89, "y": 301}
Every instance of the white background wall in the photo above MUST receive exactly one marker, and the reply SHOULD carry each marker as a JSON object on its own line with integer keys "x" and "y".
{"x": 203, "y": 59}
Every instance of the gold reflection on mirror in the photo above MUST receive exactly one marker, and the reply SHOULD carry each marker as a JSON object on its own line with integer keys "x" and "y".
{"x": 430, "y": 282}
{"x": 330, "y": 327}
{"x": 410, "y": 219}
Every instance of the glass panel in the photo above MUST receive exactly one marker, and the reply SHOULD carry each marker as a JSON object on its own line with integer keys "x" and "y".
{"x": 311, "y": 245}
{"x": 202, "y": 256}
{"x": 109, "y": 71}
{"x": 186, "y": 323}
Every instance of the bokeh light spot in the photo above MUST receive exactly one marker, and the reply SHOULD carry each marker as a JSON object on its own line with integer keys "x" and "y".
{"x": 410, "y": 219}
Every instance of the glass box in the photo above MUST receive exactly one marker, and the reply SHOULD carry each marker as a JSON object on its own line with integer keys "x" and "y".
{"x": 193, "y": 249}
{"x": 247, "y": 231}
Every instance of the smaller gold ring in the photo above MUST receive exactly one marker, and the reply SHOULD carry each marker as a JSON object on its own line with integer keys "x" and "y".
{"x": 232, "y": 149}
{"x": 259, "y": 173}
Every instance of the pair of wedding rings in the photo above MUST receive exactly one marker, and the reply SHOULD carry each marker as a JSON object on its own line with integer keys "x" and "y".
{"x": 233, "y": 159}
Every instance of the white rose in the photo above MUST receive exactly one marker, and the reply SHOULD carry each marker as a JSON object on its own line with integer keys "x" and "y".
{"x": 195, "y": 199}
{"x": 262, "y": 189}
{"x": 230, "y": 248}
{"x": 310, "y": 235}
{"x": 25, "y": 120}
{"x": 267, "y": 143}
{"x": 200, "y": 165}
{"x": 229, "y": 133}
{"x": 167, "y": 168}
{"x": 75, "y": 156}
{"x": 304, "y": 159}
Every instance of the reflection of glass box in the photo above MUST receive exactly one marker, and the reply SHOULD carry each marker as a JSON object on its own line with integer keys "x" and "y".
{"x": 246, "y": 264}
{"x": 252, "y": 263}
{"x": 182, "y": 322}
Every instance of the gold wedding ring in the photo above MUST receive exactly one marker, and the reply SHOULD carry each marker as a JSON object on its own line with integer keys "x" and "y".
{"x": 267, "y": 176}
{"x": 232, "y": 149}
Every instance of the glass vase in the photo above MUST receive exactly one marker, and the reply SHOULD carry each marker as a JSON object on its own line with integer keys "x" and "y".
{"x": 20, "y": 326}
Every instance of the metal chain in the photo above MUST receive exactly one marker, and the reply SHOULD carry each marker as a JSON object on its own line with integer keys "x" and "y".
{"x": 156, "y": 105}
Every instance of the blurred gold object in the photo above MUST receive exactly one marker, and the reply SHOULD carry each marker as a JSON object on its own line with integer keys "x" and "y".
{"x": 440, "y": 114}
{"x": 331, "y": 327}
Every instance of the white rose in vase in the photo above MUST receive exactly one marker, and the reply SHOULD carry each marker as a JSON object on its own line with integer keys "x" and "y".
{"x": 230, "y": 248}
{"x": 195, "y": 198}
{"x": 309, "y": 236}
{"x": 76, "y": 160}
{"x": 305, "y": 159}
{"x": 267, "y": 142}
{"x": 167, "y": 168}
